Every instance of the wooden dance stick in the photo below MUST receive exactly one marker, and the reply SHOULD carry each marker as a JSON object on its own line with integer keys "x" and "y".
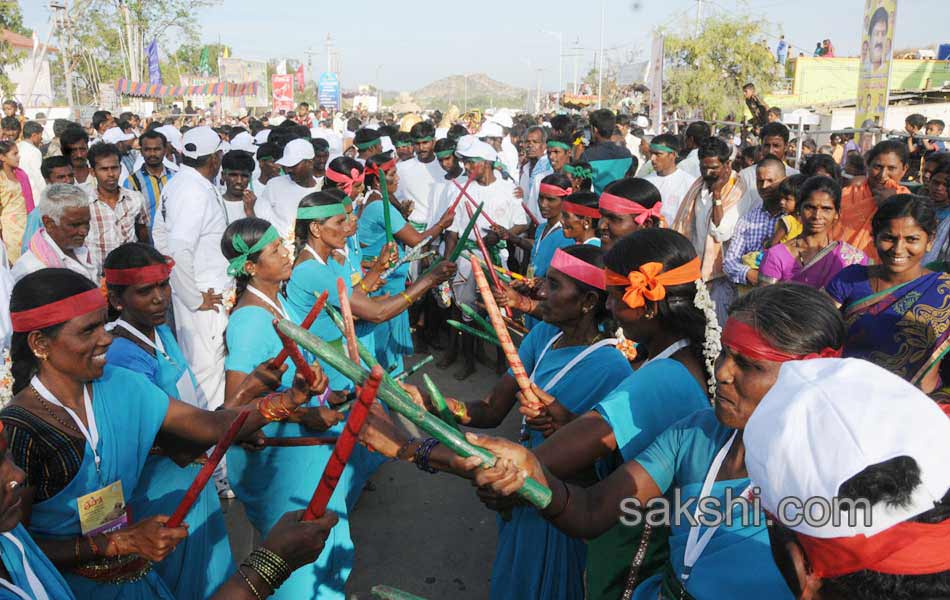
{"x": 534, "y": 219}
{"x": 307, "y": 322}
{"x": 344, "y": 447}
{"x": 438, "y": 402}
{"x": 399, "y": 401}
{"x": 498, "y": 322}
{"x": 463, "y": 192}
{"x": 349, "y": 329}
{"x": 473, "y": 332}
{"x": 296, "y": 357}
{"x": 293, "y": 442}
{"x": 471, "y": 201}
{"x": 488, "y": 262}
{"x": 207, "y": 470}
{"x": 414, "y": 368}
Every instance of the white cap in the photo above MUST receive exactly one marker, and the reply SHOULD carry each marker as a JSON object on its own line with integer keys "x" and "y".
{"x": 200, "y": 141}
{"x": 503, "y": 118}
{"x": 114, "y": 135}
{"x": 490, "y": 129}
{"x": 469, "y": 146}
{"x": 296, "y": 151}
{"x": 261, "y": 138}
{"x": 387, "y": 144}
{"x": 826, "y": 420}
{"x": 172, "y": 134}
{"x": 642, "y": 121}
{"x": 244, "y": 141}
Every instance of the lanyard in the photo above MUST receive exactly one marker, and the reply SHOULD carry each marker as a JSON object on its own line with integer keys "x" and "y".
{"x": 92, "y": 433}
{"x": 157, "y": 345}
{"x": 39, "y": 592}
{"x": 570, "y": 365}
{"x": 278, "y": 308}
{"x": 549, "y": 232}
{"x": 670, "y": 351}
{"x": 696, "y": 543}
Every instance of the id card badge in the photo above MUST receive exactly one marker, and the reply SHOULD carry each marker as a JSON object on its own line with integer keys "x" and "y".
{"x": 103, "y": 510}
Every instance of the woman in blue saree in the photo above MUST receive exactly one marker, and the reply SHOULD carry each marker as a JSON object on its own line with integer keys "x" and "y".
{"x": 701, "y": 456}
{"x": 898, "y": 312}
{"x": 137, "y": 277}
{"x": 84, "y": 444}
{"x": 392, "y": 336}
{"x": 568, "y": 357}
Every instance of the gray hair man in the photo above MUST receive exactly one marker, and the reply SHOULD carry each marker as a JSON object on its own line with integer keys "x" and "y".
{"x": 61, "y": 241}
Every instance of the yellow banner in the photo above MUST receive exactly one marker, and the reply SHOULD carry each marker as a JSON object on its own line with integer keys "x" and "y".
{"x": 876, "y": 51}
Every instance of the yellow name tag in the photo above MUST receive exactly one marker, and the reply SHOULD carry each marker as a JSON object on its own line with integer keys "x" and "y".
{"x": 103, "y": 510}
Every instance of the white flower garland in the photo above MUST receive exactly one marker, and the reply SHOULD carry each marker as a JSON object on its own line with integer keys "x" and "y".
{"x": 6, "y": 378}
{"x": 711, "y": 344}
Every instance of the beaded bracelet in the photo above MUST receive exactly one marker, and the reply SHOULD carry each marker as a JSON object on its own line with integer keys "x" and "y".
{"x": 247, "y": 580}
{"x": 422, "y": 455}
{"x": 272, "y": 569}
{"x": 402, "y": 453}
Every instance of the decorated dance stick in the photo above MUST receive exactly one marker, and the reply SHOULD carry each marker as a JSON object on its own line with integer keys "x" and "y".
{"x": 349, "y": 329}
{"x": 307, "y": 322}
{"x": 534, "y": 219}
{"x": 414, "y": 368}
{"x": 463, "y": 192}
{"x": 471, "y": 313}
{"x": 501, "y": 276}
{"x": 472, "y": 331}
{"x": 387, "y": 206}
{"x": 511, "y": 353}
{"x": 438, "y": 402}
{"x": 457, "y": 251}
{"x": 296, "y": 357}
{"x": 399, "y": 401}
{"x": 413, "y": 254}
{"x": 207, "y": 470}
{"x": 384, "y": 592}
{"x": 500, "y": 270}
{"x": 344, "y": 447}
{"x": 368, "y": 357}
{"x": 488, "y": 262}
{"x": 293, "y": 442}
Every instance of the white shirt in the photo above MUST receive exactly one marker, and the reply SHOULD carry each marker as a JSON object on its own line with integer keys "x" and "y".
{"x": 30, "y": 263}
{"x": 235, "y": 210}
{"x": 416, "y": 179}
{"x": 690, "y": 164}
{"x": 673, "y": 188}
{"x": 751, "y": 198}
{"x": 509, "y": 155}
{"x": 500, "y": 204}
{"x": 333, "y": 138}
{"x": 531, "y": 184}
{"x": 31, "y": 159}
{"x": 189, "y": 228}
{"x": 280, "y": 200}
{"x": 441, "y": 197}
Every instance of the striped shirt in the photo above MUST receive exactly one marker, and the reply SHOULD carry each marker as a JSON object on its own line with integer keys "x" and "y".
{"x": 149, "y": 186}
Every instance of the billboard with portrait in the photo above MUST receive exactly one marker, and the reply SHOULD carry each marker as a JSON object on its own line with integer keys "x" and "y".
{"x": 877, "y": 36}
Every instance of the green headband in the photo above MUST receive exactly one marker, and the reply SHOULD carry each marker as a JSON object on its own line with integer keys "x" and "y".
{"x": 367, "y": 145}
{"x": 237, "y": 264}
{"x": 260, "y": 158}
{"x": 423, "y": 139}
{"x": 445, "y": 153}
{"x": 557, "y": 144}
{"x": 661, "y": 148}
{"x": 324, "y": 212}
{"x": 579, "y": 172}
{"x": 402, "y": 144}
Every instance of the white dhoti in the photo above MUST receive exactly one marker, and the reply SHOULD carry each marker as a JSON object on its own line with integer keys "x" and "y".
{"x": 463, "y": 286}
{"x": 201, "y": 338}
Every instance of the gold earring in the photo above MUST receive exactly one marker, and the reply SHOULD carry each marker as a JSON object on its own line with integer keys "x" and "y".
{"x": 42, "y": 356}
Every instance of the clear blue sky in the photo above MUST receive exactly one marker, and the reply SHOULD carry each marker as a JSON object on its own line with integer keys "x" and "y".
{"x": 418, "y": 41}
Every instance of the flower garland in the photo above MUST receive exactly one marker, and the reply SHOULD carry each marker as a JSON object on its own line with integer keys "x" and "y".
{"x": 711, "y": 344}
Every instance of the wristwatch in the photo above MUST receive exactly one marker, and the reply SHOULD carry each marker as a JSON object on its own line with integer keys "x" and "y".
{"x": 717, "y": 202}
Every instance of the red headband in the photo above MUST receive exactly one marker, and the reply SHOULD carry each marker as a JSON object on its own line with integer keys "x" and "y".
{"x": 140, "y": 275}
{"x": 57, "y": 312}
{"x": 554, "y": 191}
{"x": 579, "y": 209}
{"x": 907, "y": 548}
{"x": 745, "y": 340}
{"x": 372, "y": 169}
{"x": 579, "y": 270}
{"x": 344, "y": 181}
{"x": 623, "y": 206}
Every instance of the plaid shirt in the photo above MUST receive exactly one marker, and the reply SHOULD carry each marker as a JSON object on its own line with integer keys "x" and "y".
{"x": 752, "y": 231}
{"x": 110, "y": 227}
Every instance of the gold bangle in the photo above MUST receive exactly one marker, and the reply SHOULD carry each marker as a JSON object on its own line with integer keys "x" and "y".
{"x": 250, "y": 585}
{"x": 407, "y": 297}
{"x": 363, "y": 286}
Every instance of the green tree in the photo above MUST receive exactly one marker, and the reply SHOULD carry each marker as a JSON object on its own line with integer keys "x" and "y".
{"x": 187, "y": 61}
{"x": 706, "y": 72}
{"x": 11, "y": 17}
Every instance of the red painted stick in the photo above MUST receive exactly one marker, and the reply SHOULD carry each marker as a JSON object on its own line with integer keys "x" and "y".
{"x": 534, "y": 220}
{"x": 463, "y": 192}
{"x": 487, "y": 257}
{"x": 349, "y": 329}
{"x": 307, "y": 322}
{"x": 205, "y": 473}
{"x": 295, "y": 356}
{"x": 471, "y": 201}
{"x": 344, "y": 447}
{"x": 292, "y": 442}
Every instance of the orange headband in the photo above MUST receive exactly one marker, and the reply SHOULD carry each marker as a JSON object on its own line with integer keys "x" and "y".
{"x": 649, "y": 281}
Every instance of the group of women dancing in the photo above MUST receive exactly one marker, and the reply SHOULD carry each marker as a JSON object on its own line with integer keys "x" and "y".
{"x": 101, "y": 441}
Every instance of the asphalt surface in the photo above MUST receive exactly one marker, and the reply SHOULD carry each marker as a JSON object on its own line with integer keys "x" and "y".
{"x": 424, "y": 534}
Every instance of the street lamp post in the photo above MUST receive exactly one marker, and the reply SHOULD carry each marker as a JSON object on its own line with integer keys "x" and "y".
{"x": 560, "y": 62}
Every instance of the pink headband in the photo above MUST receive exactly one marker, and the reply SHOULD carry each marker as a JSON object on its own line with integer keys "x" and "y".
{"x": 554, "y": 191}
{"x": 579, "y": 270}
{"x": 343, "y": 181}
{"x": 623, "y": 206}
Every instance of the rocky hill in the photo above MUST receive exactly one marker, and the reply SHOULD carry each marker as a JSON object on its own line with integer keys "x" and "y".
{"x": 452, "y": 88}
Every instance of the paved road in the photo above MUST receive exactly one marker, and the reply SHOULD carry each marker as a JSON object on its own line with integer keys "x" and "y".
{"x": 424, "y": 534}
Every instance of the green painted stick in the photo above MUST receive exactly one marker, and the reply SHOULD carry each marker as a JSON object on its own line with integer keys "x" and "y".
{"x": 470, "y": 312}
{"x": 472, "y": 331}
{"x": 399, "y": 401}
{"x": 384, "y": 592}
{"x": 368, "y": 357}
{"x": 457, "y": 251}
{"x": 414, "y": 368}
{"x": 438, "y": 401}
{"x": 498, "y": 271}
{"x": 387, "y": 206}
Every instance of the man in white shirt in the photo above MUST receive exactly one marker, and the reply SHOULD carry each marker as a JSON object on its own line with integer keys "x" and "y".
{"x": 696, "y": 133}
{"x": 672, "y": 181}
{"x": 60, "y": 243}
{"x": 535, "y": 169}
{"x": 419, "y": 174}
{"x": 283, "y": 194}
{"x": 31, "y": 159}
{"x": 240, "y": 202}
{"x": 509, "y": 153}
{"x": 774, "y": 138}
